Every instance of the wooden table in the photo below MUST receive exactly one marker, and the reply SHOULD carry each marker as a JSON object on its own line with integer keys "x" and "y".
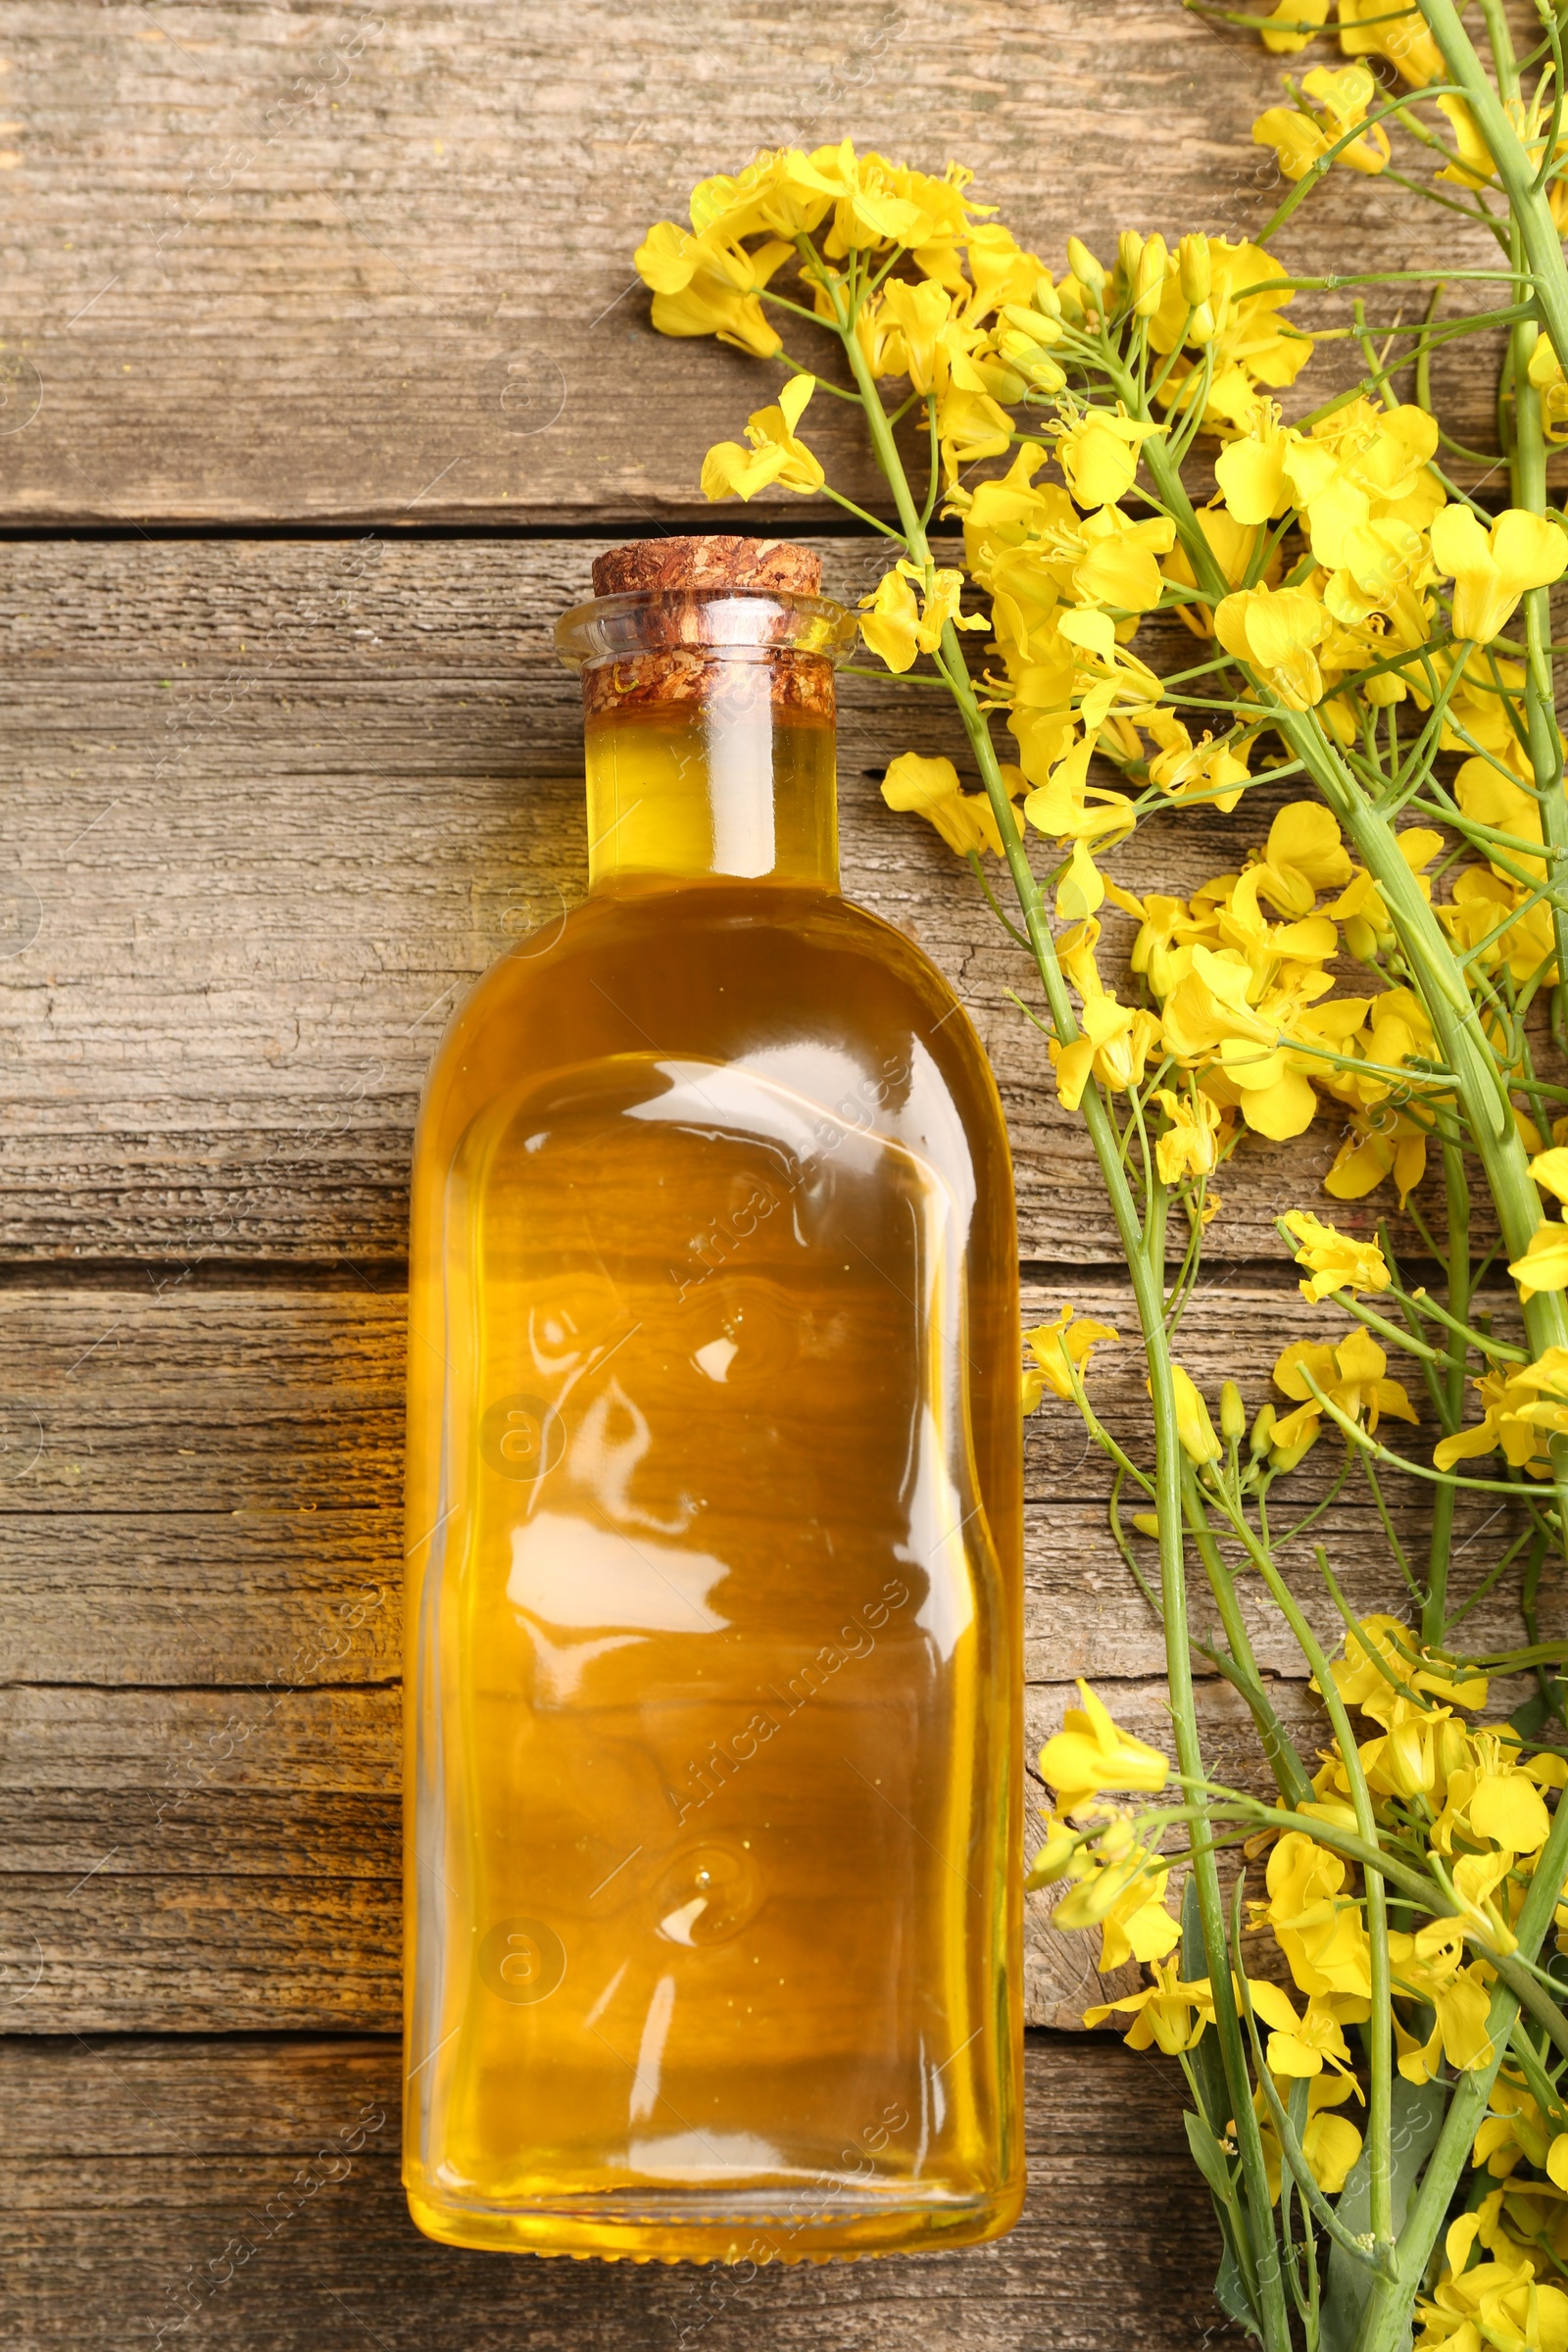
{"x": 324, "y": 375}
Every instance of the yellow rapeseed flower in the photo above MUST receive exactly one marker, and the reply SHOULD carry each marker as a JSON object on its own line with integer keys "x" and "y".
{"x": 1250, "y": 470}
{"x": 1363, "y": 465}
{"x": 1426, "y": 1968}
{"x": 1251, "y": 349}
{"x": 1125, "y": 1899}
{"x": 780, "y": 193}
{"x": 1317, "y": 1925}
{"x": 708, "y": 286}
{"x": 1363, "y": 1680}
{"x": 1492, "y": 568}
{"x": 1545, "y": 1263}
{"x": 1350, "y": 1376}
{"x": 1375, "y": 29}
{"x": 1190, "y": 1145}
{"x": 1545, "y": 373}
{"x": 1301, "y": 135}
{"x": 907, "y": 615}
{"x": 1276, "y": 631}
{"x": 1091, "y": 1753}
{"x": 1060, "y": 1349}
{"x": 1301, "y": 2046}
{"x": 1508, "y": 2301}
{"x": 1099, "y": 455}
{"x": 1168, "y": 2013}
{"x": 1335, "y": 1261}
{"x": 1521, "y": 1409}
{"x": 930, "y": 788}
{"x": 920, "y": 351}
{"x": 1186, "y": 770}
{"x": 1550, "y": 1170}
{"x": 774, "y": 455}
{"x": 1210, "y": 1021}
{"x": 1473, "y": 165}
{"x": 1381, "y": 1143}
{"x": 1114, "y": 1046}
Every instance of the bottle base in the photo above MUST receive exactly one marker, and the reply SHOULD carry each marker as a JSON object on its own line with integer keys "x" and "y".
{"x": 751, "y": 2227}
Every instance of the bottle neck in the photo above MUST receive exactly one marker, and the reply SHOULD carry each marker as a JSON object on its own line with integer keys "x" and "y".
{"x": 732, "y": 781}
{"x": 708, "y": 723}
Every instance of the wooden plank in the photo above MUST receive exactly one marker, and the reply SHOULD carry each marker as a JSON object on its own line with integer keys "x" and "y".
{"x": 155, "y": 2182}
{"x": 201, "y": 1736}
{"x": 214, "y": 1497}
{"x": 274, "y": 805}
{"x": 378, "y": 265}
{"x": 185, "y": 1862}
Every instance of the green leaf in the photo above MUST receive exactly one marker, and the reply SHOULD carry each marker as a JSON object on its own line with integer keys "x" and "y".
{"x": 1208, "y": 2156}
{"x": 1208, "y": 2068}
{"x": 1231, "y": 2295}
{"x": 1530, "y": 1719}
{"x": 1202, "y": 2131}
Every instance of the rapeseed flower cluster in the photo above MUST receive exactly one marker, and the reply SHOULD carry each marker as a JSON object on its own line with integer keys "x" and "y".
{"x": 1367, "y": 642}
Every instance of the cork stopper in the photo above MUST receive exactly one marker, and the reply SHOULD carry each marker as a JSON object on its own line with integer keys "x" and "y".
{"x": 715, "y": 623}
{"x": 717, "y": 559}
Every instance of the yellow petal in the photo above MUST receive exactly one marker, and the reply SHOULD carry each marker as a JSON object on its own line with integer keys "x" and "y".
{"x": 731, "y": 471}
{"x": 1544, "y": 1264}
{"x": 1507, "y": 1809}
{"x": 915, "y": 782}
{"x": 1550, "y": 1170}
{"x": 1251, "y": 477}
{"x": 1331, "y": 2144}
{"x": 794, "y": 397}
{"x": 1290, "y": 14}
{"x": 1273, "y": 2005}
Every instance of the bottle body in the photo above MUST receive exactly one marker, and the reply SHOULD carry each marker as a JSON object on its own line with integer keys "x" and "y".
{"x": 713, "y": 1630}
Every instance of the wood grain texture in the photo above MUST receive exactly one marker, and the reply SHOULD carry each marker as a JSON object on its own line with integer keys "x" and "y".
{"x": 341, "y": 263}
{"x": 268, "y": 807}
{"x": 203, "y": 1562}
{"x": 273, "y": 807}
{"x": 251, "y": 2190}
{"x": 196, "y": 1862}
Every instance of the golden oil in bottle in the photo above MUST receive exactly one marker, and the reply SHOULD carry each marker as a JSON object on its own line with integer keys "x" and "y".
{"x": 714, "y": 1689}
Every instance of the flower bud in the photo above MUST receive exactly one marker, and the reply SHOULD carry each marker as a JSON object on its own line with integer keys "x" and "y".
{"x": 1054, "y": 1858}
{"x": 1026, "y": 321}
{"x": 1197, "y": 277}
{"x": 1116, "y": 1840}
{"x": 1154, "y": 266}
{"x": 1084, "y": 269}
{"x": 1201, "y": 328}
{"x": 1146, "y": 1524}
{"x": 1046, "y": 300}
{"x": 1263, "y": 1437}
{"x": 1129, "y": 253}
{"x": 1086, "y": 1904}
{"x": 1192, "y": 1425}
{"x": 1232, "y": 1415}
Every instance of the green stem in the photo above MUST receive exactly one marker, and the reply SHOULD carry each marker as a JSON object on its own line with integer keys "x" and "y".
{"x": 1528, "y": 204}
{"x": 1385, "y": 2322}
{"x": 1434, "y": 1614}
{"x": 1289, "y": 1772}
{"x": 1379, "y": 2029}
{"x": 1528, "y": 489}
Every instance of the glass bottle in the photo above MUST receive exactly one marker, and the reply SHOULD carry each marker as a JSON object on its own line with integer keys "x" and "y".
{"x": 714, "y": 1511}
